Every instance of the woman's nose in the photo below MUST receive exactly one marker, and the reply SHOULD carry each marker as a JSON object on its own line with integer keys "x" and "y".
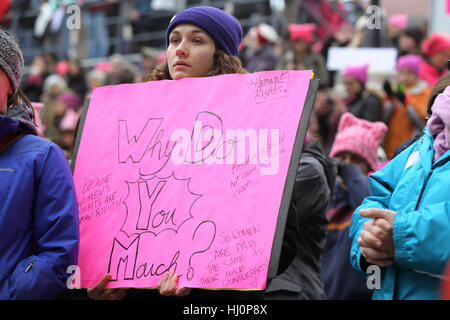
{"x": 181, "y": 50}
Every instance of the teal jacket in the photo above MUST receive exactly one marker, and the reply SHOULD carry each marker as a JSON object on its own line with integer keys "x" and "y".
{"x": 419, "y": 191}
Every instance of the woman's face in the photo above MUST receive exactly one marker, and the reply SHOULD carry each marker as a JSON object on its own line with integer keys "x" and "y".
{"x": 440, "y": 59}
{"x": 190, "y": 52}
{"x": 5, "y": 90}
{"x": 406, "y": 43}
{"x": 301, "y": 46}
{"x": 407, "y": 77}
{"x": 352, "y": 86}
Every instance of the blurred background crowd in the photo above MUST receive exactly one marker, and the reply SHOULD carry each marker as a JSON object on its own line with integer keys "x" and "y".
{"x": 73, "y": 46}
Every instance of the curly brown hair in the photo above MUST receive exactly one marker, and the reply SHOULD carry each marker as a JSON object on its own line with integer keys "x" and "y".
{"x": 223, "y": 64}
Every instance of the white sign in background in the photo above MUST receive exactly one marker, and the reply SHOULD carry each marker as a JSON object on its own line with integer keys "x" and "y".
{"x": 379, "y": 59}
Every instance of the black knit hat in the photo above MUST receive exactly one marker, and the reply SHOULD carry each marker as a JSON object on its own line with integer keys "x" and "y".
{"x": 221, "y": 26}
{"x": 11, "y": 59}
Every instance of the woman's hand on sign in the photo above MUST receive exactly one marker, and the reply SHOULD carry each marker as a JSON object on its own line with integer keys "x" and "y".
{"x": 99, "y": 292}
{"x": 168, "y": 286}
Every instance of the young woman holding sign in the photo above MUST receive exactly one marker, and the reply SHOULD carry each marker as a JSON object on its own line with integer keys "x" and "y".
{"x": 38, "y": 206}
{"x": 201, "y": 42}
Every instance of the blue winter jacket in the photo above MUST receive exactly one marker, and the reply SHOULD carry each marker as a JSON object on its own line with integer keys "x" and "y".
{"x": 38, "y": 216}
{"x": 419, "y": 191}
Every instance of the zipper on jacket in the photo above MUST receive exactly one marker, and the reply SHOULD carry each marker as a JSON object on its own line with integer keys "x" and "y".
{"x": 30, "y": 265}
{"x": 423, "y": 188}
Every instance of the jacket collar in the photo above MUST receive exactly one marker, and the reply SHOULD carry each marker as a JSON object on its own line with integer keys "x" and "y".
{"x": 17, "y": 119}
{"x": 426, "y": 151}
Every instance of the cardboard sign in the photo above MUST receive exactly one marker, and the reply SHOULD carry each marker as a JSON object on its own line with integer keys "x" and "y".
{"x": 193, "y": 175}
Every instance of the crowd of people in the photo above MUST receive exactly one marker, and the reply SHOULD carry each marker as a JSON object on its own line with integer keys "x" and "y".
{"x": 370, "y": 185}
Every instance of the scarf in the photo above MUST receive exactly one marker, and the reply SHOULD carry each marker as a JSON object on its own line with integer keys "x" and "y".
{"x": 17, "y": 118}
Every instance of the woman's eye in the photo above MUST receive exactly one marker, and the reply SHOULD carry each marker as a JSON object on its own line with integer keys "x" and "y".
{"x": 197, "y": 40}
{"x": 174, "y": 40}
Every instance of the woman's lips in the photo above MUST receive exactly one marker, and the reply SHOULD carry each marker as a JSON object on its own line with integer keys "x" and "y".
{"x": 181, "y": 64}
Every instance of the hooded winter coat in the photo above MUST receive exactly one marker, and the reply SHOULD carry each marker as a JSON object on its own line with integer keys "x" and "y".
{"x": 38, "y": 213}
{"x": 418, "y": 190}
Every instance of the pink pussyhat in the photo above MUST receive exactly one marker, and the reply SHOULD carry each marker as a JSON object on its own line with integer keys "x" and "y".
{"x": 357, "y": 72}
{"x": 410, "y": 61}
{"x": 302, "y": 31}
{"x": 399, "y": 20}
{"x": 360, "y": 137}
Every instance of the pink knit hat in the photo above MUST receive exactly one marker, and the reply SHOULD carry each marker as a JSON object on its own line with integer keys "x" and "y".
{"x": 357, "y": 72}
{"x": 62, "y": 67}
{"x": 302, "y": 31}
{"x": 409, "y": 61}
{"x": 360, "y": 137}
{"x": 436, "y": 43}
{"x": 399, "y": 20}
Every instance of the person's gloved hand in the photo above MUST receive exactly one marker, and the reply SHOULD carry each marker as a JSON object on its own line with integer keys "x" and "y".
{"x": 340, "y": 166}
{"x": 388, "y": 89}
{"x": 401, "y": 97}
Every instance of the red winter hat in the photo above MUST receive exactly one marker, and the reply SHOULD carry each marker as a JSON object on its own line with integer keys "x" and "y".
{"x": 302, "y": 31}
{"x": 436, "y": 43}
{"x": 360, "y": 137}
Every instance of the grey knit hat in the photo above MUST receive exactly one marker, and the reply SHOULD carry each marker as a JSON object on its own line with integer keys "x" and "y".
{"x": 11, "y": 59}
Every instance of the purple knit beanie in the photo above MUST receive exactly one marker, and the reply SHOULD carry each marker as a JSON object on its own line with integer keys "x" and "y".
{"x": 221, "y": 26}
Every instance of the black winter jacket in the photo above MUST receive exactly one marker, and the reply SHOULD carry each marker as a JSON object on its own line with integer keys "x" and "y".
{"x": 306, "y": 227}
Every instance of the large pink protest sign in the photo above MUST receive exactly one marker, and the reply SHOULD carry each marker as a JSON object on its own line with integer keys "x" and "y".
{"x": 186, "y": 175}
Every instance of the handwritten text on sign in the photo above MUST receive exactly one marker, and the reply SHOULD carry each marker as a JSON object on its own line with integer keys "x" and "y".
{"x": 188, "y": 176}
